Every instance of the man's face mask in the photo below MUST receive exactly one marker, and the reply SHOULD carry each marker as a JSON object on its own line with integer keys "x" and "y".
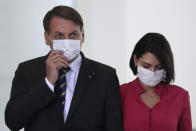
{"x": 150, "y": 78}
{"x": 69, "y": 47}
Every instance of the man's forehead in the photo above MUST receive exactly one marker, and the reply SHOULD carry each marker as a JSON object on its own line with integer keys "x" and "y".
{"x": 63, "y": 25}
{"x": 57, "y": 19}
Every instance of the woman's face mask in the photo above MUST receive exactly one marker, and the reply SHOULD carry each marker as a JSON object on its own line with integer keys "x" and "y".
{"x": 150, "y": 78}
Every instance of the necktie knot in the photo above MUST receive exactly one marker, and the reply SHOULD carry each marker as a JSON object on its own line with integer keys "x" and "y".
{"x": 62, "y": 73}
{"x": 64, "y": 70}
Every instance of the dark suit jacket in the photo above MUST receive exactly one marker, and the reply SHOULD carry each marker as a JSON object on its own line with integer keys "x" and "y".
{"x": 95, "y": 104}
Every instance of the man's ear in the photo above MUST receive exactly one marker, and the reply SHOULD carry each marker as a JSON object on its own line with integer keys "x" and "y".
{"x": 135, "y": 60}
{"x": 46, "y": 38}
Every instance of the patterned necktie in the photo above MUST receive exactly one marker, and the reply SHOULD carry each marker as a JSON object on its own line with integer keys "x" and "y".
{"x": 62, "y": 85}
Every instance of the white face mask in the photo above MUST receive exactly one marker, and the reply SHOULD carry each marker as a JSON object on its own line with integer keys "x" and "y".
{"x": 150, "y": 78}
{"x": 69, "y": 47}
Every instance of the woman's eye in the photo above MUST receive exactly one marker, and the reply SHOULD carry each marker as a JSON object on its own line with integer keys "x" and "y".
{"x": 146, "y": 67}
{"x": 159, "y": 68}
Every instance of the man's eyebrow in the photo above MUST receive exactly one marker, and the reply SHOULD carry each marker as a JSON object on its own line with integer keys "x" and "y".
{"x": 57, "y": 32}
{"x": 75, "y": 31}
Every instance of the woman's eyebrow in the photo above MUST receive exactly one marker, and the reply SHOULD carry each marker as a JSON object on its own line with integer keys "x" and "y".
{"x": 145, "y": 63}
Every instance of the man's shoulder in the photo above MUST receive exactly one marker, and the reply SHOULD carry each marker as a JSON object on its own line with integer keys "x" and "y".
{"x": 33, "y": 62}
{"x": 100, "y": 66}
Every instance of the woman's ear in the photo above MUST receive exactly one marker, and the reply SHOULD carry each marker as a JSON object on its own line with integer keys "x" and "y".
{"x": 135, "y": 60}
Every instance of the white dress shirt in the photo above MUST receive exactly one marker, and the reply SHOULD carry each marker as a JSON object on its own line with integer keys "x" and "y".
{"x": 71, "y": 79}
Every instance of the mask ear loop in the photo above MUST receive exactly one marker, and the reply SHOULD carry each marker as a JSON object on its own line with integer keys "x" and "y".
{"x": 164, "y": 76}
{"x": 136, "y": 70}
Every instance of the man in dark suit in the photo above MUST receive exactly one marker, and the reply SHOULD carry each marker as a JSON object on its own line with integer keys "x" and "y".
{"x": 64, "y": 90}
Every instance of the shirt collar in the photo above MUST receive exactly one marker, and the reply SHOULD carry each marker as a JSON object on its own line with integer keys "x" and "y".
{"x": 140, "y": 89}
{"x": 75, "y": 65}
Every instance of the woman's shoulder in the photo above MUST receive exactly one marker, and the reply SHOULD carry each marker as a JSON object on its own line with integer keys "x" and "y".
{"x": 178, "y": 90}
{"x": 127, "y": 86}
{"x": 178, "y": 95}
{"x": 124, "y": 87}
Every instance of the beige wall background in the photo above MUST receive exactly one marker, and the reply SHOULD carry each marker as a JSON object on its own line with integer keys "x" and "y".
{"x": 112, "y": 27}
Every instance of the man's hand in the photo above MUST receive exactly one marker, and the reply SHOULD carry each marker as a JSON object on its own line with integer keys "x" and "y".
{"x": 55, "y": 60}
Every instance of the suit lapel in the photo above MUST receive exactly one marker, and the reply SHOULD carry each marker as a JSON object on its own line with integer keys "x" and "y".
{"x": 85, "y": 77}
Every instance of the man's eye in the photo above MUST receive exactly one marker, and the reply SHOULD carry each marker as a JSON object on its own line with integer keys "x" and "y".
{"x": 59, "y": 36}
{"x": 74, "y": 35}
